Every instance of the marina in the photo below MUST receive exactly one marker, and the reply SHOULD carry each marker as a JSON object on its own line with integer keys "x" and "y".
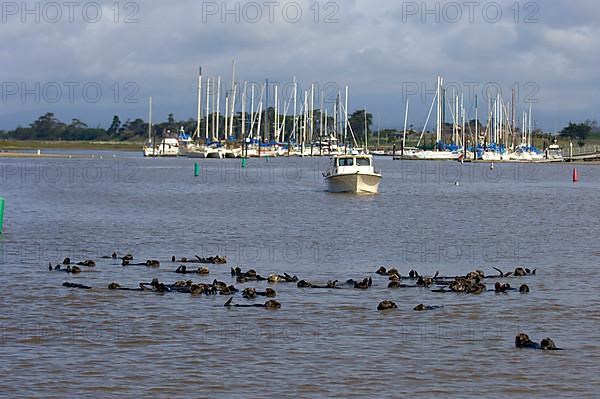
{"x": 299, "y": 200}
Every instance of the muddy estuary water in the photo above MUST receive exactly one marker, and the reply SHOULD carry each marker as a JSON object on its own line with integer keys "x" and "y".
{"x": 274, "y": 216}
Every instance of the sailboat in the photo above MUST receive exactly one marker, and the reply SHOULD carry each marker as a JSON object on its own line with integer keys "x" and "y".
{"x": 441, "y": 153}
{"x": 168, "y": 147}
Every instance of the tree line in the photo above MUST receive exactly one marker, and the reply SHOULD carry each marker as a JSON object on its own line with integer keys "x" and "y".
{"x": 49, "y": 127}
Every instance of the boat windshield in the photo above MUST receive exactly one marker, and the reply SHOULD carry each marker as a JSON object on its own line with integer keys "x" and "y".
{"x": 345, "y": 162}
{"x": 363, "y": 162}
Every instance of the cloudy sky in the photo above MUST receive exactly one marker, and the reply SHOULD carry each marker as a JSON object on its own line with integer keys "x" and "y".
{"x": 58, "y": 57}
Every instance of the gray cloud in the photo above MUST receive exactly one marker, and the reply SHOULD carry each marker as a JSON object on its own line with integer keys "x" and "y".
{"x": 375, "y": 48}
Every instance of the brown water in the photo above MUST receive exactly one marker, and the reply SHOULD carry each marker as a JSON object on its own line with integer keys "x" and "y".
{"x": 275, "y": 216}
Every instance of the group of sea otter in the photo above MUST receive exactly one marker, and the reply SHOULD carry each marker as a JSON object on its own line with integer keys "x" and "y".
{"x": 473, "y": 283}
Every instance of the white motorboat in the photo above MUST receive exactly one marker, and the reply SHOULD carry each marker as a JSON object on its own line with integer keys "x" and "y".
{"x": 352, "y": 174}
{"x": 554, "y": 153}
{"x": 168, "y": 147}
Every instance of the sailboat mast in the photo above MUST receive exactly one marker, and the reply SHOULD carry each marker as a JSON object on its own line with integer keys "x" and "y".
{"x": 346, "y": 117}
{"x": 439, "y": 111}
{"x": 530, "y": 126}
{"x": 226, "y": 114}
{"x": 150, "y": 119}
{"x": 218, "y": 133}
{"x": 207, "y": 106}
{"x": 232, "y": 107}
{"x": 476, "y": 123}
{"x": 295, "y": 108}
{"x": 405, "y": 126}
{"x": 244, "y": 110}
{"x": 312, "y": 112}
{"x": 214, "y": 107}
{"x": 277, "y": 131}
{"x": 252, "y": 113}
{"x": 199, "y": 115}
{"x": 366, "y": 133}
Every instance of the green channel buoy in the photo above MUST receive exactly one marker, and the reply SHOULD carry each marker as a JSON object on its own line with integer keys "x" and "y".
{"x": 1, "y": 214}
{"x": 244, "y": 162}
{"x": 196, "y": 169}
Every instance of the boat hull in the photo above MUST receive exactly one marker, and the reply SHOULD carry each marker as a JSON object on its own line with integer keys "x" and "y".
{"x": 355, "y": 183}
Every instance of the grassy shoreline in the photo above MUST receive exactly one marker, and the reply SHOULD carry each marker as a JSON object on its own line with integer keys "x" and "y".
{"x": 69, "y": 145}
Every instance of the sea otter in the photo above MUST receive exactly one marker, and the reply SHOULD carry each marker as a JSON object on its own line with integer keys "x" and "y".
{"x": 523, "y": 341}
{"x": 386, "y": 305}
{"x": 80, "y": 286}
{"x": 148, "y": 263}
{"x": 268, "y": 305}
{"x": 87, "y": 263}
{"x": 115, "y": 286}
{"x": 251, "y": 293}
{"x": 422, "y": 308}
{"x": 522, "y": 272}
{"x": 524, "y": 289}
{"x": 183, "y": 270}
{"x": 113, "y": 256}
{"x": 502, "y": 288}
{"x": 306, "y": 284}
{"x": 285, "y": 278}
{"x": 365, "y": 284}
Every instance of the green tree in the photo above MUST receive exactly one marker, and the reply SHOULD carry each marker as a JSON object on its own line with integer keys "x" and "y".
{"x": 114, "y": 126}
{"x": 578, "y": 131}
{"x": 357, "y": 122}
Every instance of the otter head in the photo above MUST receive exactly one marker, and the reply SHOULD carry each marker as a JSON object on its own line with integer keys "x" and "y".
{"x": 420, "y": 308}
{"x": 249, "y": 293}
{"x": 272, "y": 305}
{"x": 271, "y": 293}
{"x": 547, "y": 344}
{"x": 203, "y": 270}
{"x": 393, "y": 272}
{"x": 524, "y": 289}
{"x": 386, "y": 305}
{"x": 197, "y": 289}
{"x": 273, "y": 278}
{"x": 522, "y": 340}
{"x": 67, "y": 261}
{"x": 113, "y": 286}
{"x": 497, "y": 287}
{"x": 381, "y": 271}
{"x": 520, "y": 272}
{"x": 114, "y": 255}
{"x": 75, "y": 270}
{"x": 181, "y": 269}
{"x": 475, "y": 275}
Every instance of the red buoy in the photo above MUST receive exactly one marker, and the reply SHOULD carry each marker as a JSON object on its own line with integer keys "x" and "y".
{"x": 575, "y": 176}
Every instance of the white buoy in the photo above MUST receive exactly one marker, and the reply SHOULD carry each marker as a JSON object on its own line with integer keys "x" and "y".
{"x": 39, "y": 152}
{"x": 457, "y": 184}
{"x": 492, "y": 166}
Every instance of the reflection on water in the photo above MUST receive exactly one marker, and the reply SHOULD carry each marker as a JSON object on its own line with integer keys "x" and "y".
{"x": 275, "y": 216}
